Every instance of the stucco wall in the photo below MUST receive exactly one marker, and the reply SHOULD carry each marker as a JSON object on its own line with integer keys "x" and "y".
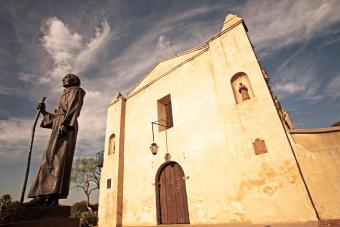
{"x": 318, "y": 152}
{"x": 108, "y": 197}
{"x": 212, "y": 141}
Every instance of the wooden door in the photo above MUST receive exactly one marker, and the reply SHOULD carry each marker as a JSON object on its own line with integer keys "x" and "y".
{"x": 172, "y": 196}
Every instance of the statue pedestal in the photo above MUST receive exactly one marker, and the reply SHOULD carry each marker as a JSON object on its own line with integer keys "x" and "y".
{"x": 36, "y": 217}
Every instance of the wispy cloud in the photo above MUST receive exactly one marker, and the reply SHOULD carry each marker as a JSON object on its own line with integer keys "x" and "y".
{"x": 193, "y": 12}
{"x": 68, "y": 50}
{"x": 5, "y": 90}
{"x": 15, "y": 139}
{"x": 164, "y": 37}
{"x": 333, "y": 87}
{"x": 163, "y": 43}
{"x": 299, "y": 81}
{"x": 289, "y": 87}
{"x": 92, "y": 122}
{"x": 277, "y": 24}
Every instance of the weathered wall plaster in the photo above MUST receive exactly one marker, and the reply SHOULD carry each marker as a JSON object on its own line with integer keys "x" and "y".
{"x": 318, "y": 152}
{"x": 211, "y": 139}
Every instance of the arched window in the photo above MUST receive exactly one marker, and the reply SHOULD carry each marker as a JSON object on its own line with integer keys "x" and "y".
{"x": 241, "y": 87}
{"x": 112, "y": 144}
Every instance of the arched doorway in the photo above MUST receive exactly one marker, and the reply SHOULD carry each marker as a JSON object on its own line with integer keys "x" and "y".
{"x": 172, "y": 204}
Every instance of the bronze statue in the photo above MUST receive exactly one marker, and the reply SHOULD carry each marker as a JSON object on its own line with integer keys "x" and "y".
{"x": 243, "y": 90}
{"x": 52, "y": 180}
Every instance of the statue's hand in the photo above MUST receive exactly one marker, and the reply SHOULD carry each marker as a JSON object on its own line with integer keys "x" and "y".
{"x": 62, "y": 130}
{"x": 42, "y": 107}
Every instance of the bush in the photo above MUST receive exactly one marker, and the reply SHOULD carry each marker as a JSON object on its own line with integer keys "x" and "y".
{"x": 7, "y": 208}
{"x": 94, "y": 207}
{"x": 88, "y": 219}
{"x": 5, "y": 200}
{"x": 77, "y": 209}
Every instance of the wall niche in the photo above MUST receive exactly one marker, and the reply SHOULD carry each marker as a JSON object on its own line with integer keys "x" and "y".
{"x": 112, "y": 144}
{"x": 242, "y": 88}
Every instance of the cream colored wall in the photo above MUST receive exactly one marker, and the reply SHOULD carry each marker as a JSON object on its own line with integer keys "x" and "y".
{"x": 165, "y": 65}
{"x": 319, "y": 156}
{"x": 212, "y": 141}
{"x": 108, "y": 197}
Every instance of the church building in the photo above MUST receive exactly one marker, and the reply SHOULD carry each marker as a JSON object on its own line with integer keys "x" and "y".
{"x": 201, "y": 140}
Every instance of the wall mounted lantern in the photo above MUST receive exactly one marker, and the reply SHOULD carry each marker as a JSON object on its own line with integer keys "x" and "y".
{"x": 154, "y": 147}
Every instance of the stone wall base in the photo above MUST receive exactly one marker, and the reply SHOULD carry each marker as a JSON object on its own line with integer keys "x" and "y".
{"x": 330, "y": 223}
{"x": 63, "y": 222}
{"x": 295, "y": 224}
{"x": 321, "y": 223}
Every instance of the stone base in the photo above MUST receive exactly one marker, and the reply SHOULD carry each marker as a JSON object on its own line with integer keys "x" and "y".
{"x": 35, "y": 213}
{"x": 322, "y": 223}
{"x": 295, "y": 224}
{"x": 64, "y": 222}
{"x": 35, "y": 216}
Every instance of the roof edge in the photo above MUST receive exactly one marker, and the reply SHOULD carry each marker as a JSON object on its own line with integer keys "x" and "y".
{"x": 129, "y": 95}
{"x": 165, "y": 59}
{"x": 205, "y": 47}
{"x": 314, "y": 130}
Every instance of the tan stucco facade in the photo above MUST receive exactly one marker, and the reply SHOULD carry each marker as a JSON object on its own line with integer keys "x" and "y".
{"x": 318, "y": 152}
{"x": 211, "y": 139}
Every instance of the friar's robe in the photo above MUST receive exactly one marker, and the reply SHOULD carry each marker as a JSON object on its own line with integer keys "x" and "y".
{"x": 53, "y": 176}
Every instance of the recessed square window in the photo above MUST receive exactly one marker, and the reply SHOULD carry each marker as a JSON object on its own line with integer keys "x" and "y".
{"x": 108, "y": 183}
{"x": 164, "y": 113}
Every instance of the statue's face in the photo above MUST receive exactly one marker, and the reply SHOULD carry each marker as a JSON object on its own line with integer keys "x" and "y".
{"x": 68, "y": 81}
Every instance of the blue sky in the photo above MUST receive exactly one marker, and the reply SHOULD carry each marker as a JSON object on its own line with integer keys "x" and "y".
{"x": 112, "y": 44}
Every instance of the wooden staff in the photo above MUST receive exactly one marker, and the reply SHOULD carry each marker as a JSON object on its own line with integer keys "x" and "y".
{"x": 30, "y": 153}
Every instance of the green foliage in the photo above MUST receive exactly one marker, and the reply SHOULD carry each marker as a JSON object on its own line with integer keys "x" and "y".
{"x": 85, "y": 164}
{"x": 5, "y": 200}
{"x": 335, "y": 124}
{"x": 7, "y": 207}
{"x": 94, "y": 207}
{"x": 78, "y": 208}
{"x": 88, "y": 219}
{"x": 86, "y": 176}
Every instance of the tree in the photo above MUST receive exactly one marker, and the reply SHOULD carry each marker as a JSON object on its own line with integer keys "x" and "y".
{"x": 298, "y": 115}
{"x": 86, "y": 176}
{"x": 335, "y": 124}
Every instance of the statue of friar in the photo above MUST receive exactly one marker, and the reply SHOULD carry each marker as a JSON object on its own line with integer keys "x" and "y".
{"x": 52, "y": 181}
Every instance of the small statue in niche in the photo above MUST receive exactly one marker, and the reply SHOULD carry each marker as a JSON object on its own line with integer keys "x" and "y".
{"x": 243, "y": 90}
